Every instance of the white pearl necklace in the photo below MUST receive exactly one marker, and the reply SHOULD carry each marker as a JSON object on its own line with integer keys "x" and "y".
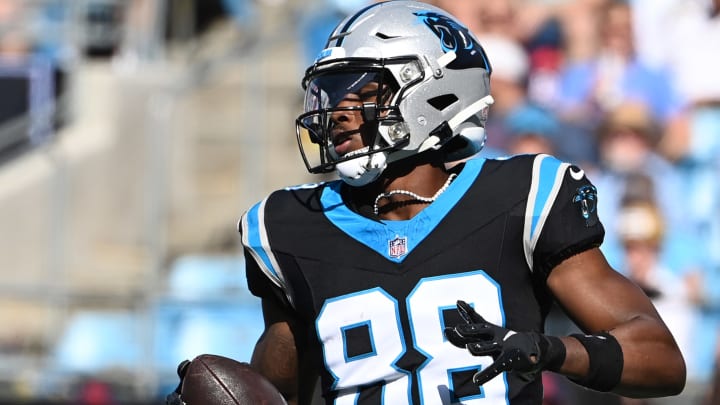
{"x": 413, "y": 195}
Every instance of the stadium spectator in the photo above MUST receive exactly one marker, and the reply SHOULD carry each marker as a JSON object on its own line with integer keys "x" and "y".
{"x": 641, "y": 230}
{"x": 626, "y": 145}
{"x": 613, "y": 74}
{"x": 507, "y": 83}
{"x": 531, "y": 129}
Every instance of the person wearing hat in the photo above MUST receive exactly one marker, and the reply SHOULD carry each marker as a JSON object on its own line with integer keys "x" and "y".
{"x": 641, "y": 229}
{"x": 627, "y": 139}
{"x": 531, "y": 129}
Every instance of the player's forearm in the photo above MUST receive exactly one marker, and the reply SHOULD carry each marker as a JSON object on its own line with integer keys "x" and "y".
{"x": 276, "y": 359}
{"x": 652, "y": 364}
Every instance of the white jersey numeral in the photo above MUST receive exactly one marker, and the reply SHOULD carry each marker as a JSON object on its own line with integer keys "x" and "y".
{"x": 379, "y": 315}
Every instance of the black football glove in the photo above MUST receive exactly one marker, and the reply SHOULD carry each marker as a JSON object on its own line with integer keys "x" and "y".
{"x": 523, "y": 353}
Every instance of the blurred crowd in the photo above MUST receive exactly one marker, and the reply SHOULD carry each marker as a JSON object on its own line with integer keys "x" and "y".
{"x": 627, "y": 90}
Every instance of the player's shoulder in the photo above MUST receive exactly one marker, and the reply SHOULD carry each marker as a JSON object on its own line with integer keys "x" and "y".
{"x": 293, "y": 201}
{"x": 524, "y": 159}
{"x": 295, "y": 194}
{"x": 535, "y": 161}
{"x": 524, "y": 164}
{"x": 538, "y": 170}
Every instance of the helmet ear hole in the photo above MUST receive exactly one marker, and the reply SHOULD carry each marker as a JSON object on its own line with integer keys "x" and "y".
{"x": 442, "y": 102}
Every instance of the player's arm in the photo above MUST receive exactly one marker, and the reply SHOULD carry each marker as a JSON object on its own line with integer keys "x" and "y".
{"x": 626, "y": 349}
{"x": 275, "y": 355}
{"x": 599, "y": 299}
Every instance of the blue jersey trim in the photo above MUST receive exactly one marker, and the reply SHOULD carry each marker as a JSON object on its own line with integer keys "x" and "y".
{"x": 547, "y": 179}
{"x": 377, "y": 234}
{"x": 254, "y": 241}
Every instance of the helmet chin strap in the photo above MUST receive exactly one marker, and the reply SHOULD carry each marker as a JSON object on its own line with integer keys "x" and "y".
{"x": 362, "y": 170}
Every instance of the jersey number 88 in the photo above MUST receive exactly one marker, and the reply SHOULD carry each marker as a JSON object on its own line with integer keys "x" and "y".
{"x": 377, "y": 315}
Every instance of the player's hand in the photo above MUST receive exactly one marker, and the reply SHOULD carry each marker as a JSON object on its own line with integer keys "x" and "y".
{"x": 523, "y": 353}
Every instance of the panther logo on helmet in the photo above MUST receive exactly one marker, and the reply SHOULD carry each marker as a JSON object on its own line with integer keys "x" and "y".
{"x": 455, "y": 38}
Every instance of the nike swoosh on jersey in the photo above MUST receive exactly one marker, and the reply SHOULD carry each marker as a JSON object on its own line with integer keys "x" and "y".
{"x": 577, "y": 175}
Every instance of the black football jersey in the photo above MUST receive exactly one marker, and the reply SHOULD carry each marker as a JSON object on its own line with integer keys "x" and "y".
{"x": 375, "y": 296}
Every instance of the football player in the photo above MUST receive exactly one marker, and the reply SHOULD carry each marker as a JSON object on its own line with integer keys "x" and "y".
{"x": 411, "y": 280}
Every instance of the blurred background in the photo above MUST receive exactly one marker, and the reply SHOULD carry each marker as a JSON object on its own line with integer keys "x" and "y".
{"x": 134, "y": 133}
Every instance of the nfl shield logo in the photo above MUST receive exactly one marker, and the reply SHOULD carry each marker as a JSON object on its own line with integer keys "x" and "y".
{"x": 397, "y": 247}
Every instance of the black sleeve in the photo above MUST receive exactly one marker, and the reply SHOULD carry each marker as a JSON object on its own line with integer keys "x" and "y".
{"x": 259, "y": 284}
{"x": 572, "y": 225}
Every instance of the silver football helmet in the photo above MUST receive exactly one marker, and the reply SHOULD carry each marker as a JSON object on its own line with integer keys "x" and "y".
{"x": 416, "y": 76}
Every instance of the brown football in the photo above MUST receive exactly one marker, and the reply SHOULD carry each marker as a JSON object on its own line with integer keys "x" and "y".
{"x": 216, "y": 380}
